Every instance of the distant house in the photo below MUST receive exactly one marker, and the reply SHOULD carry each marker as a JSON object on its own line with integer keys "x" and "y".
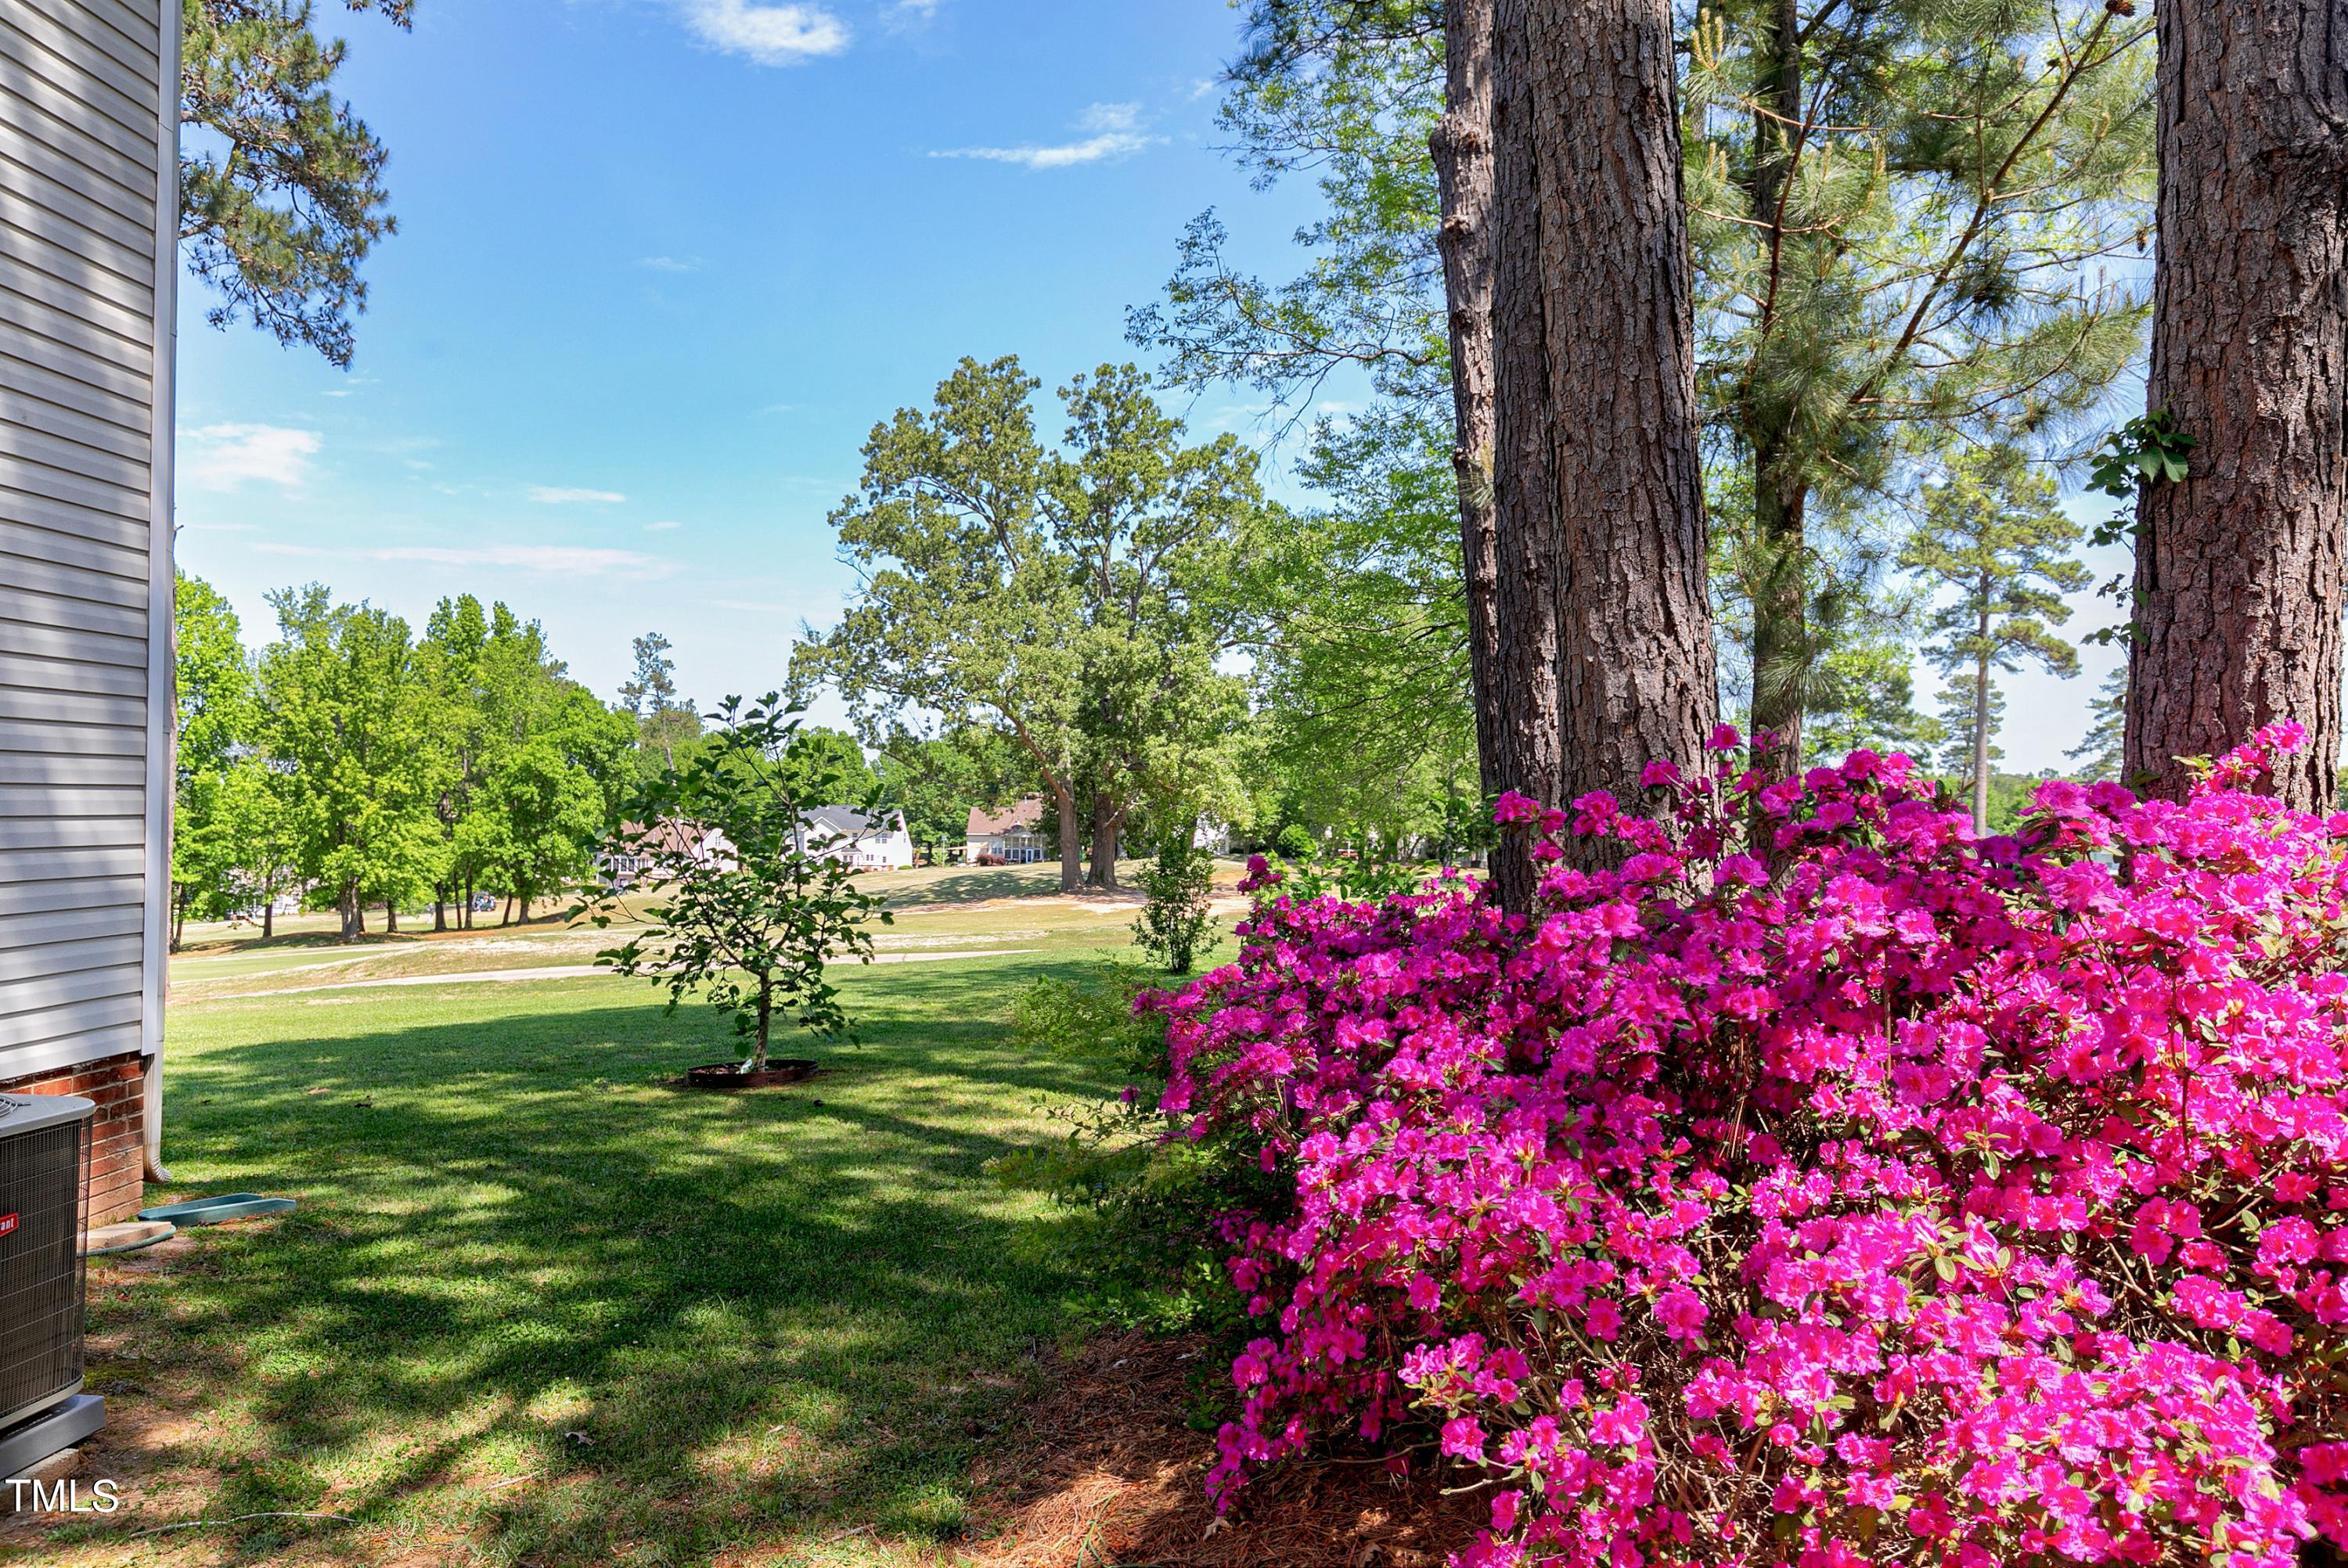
{"x": 635, "y": 855}
{"x": 1214, "y": 837}
{"x": 1009, "y": 837}
{"x": 869, "y": 841}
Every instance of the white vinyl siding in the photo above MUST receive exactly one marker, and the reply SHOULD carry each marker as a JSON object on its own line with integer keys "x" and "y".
{"x": 88, "y": 102}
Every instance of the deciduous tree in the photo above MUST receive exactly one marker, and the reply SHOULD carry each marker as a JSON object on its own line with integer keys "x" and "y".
{"x": 346, "y": 723}
{"x": 1075, "y": 597}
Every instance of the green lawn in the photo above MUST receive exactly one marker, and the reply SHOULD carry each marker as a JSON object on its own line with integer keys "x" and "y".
{"x": 539, "y": 1307}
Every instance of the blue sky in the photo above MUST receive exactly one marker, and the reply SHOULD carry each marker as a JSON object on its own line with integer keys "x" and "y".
{"x": 662, "y": 265}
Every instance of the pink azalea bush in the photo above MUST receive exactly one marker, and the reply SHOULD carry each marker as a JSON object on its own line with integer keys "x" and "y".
{"x": 1933, "y": 1199}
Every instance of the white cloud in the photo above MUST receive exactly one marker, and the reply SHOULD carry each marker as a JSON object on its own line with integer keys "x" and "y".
{"x": 1117, "y": 133}
{"x": 670, "y": 263}
{"x": 566, "y": 560}
{"x": 565, "y": 496}
{"x": 910, "y": 13}
{"x": 767, "y": 34}
{"x": 665, "y": 526}
{"x": 227, "y": 456}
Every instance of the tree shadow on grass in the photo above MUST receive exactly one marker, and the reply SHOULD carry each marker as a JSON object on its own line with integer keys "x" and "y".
{"x": 690, "y": 1320}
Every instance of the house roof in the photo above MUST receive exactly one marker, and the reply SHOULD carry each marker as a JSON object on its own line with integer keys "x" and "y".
{"x": 670, "y": 835}
{"x": 1019, "y": 814}
{"x": 847, "y": 822}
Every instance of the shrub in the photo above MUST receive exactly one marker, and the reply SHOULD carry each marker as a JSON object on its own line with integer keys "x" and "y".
{"x": 1926, "y": 1199}
{"x": 1174, "y": 921}
{"x": 751, "y": 912}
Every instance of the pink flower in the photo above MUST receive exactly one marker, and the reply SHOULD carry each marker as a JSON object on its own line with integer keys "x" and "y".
{"x": 1682, "y": 1313}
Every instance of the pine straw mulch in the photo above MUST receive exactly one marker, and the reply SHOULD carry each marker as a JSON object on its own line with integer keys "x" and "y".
{"x": 1105, "y": 1474}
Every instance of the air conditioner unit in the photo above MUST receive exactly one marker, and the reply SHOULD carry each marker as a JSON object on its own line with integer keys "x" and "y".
{"x": 45, "y": 1142}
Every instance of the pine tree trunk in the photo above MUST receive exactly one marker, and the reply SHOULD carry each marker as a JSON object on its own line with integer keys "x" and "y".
{"x": 1604, "y": 623}
{"x": 1980, "y": 744}
{"x": 269, "y": 919}
{"x": 1462, "y": 147}
{"x": 2240, "y": 566}
{"x": 1781, "y": 594}
{"x": 440, "y": 907}
{"x": 1781, "y": 633}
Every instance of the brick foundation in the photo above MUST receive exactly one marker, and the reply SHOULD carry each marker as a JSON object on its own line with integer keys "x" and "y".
{"x": 119, "y": 1139}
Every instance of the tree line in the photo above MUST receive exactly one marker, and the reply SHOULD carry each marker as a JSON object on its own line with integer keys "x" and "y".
{"x": 351, "y": 761}
{"x": 1723, "y": 353}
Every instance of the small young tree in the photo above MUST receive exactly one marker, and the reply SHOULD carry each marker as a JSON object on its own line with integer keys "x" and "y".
{"x": 1991, "y": 533}
{"x": 1178, "y": 884}
{"x": 753, "y": 907}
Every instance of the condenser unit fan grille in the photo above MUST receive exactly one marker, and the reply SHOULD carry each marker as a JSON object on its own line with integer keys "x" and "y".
{"x": 43, "y": 1168}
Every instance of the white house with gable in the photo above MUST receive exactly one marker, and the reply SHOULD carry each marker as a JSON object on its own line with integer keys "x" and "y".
{"x": 869, "y": 841}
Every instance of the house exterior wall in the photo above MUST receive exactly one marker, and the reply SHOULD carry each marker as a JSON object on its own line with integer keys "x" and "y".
{"x": 89, "y": 225}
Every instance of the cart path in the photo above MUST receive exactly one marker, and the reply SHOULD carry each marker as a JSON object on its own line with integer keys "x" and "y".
{"x": 566, "y": 972}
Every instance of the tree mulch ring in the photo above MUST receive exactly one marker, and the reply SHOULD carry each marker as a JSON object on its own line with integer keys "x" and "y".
{"x": 1104, "y": 1470}
{"x": 780, "y": 1070}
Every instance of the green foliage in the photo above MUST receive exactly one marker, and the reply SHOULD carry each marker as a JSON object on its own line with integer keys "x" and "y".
{"x": 1862, "y": 693}
{"x": 531, "y": 767}
{"x": 664, "y": 722}
{"x": 827, "y": 767}
{"x": 936, "y": 779}
{"x": 1077, "y": 599}
{"x": 751, "y": 912}
{"x": 213, "y": 679}
{"x": 214, "y": 676}
{"x": 1178, "y": 884}
{"x": 1897, "y": 211}
{"x": 1992, "y": 534}
{"x": 348, "y": 725}
{"x": 2146, "y": 450}
{"x": 280, "y": 185}
{"x": 1295, "y": 845}
{"x": 1347, "y": 91}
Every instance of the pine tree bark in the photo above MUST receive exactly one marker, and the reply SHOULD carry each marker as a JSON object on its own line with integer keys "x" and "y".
{"x": 1462, "y": 148}
{"x": 1782, "y": 654}
{"x": 1604, "y": 624}
{"x": 2240, "y": 566}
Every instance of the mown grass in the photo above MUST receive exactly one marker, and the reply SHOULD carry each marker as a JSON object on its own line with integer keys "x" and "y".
{"x": 539, "y": 1307}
